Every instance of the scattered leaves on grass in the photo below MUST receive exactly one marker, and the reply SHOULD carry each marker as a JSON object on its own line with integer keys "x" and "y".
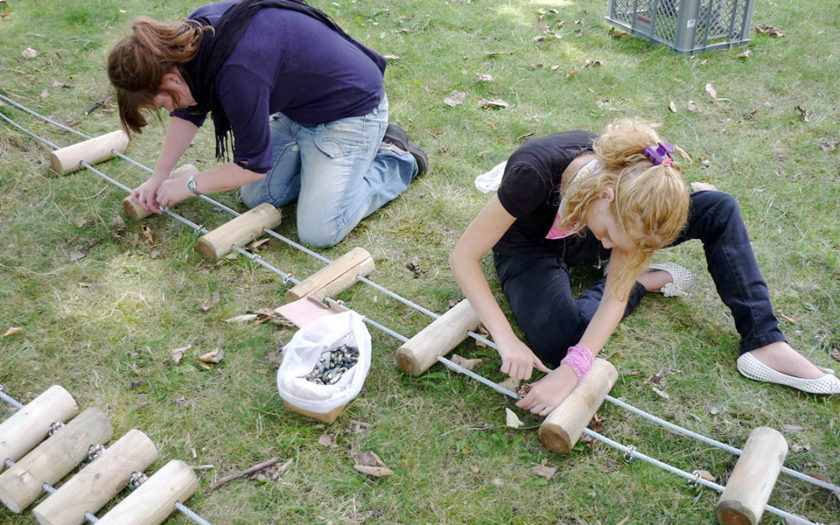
{"x": 544, "y": 470}
{"x": 213, "y": 357}
{"x": 493, "y": 103}
{"x": 613, "y": 33}
{"x": 415, "y": 269}
{"x": 469, "y": 364}
{"x": 804, "y": 113}
{"x": 481, "y": 77}
{"x": 370, "y": 464}
{"x": 710, "y": 89}
{"x": 702, "y": 186}
{"x": 672, "y": 106}
{"x": 12, "y": 331}
{"x": 146, "y": 232}
{"x": 511, "y": 419}
{"x": 178, "y": 353}
{"x": 828, "y": 145}
{"x": 455, "y": 98}
{"x": 29, "y": 53}
{"x": 769, "y": 30}
{"x": 211, "y": 301}
{"x": 691, "y": 106}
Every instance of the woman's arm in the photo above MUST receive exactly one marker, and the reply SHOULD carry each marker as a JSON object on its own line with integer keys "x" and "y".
{"x": 179, "y": 135}
{"x": 552, "y": 389}
{"x": 225, "y": 177}
{"x": 481, "y": 235}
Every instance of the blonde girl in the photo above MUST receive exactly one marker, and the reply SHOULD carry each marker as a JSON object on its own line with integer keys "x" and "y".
{"x": 572, "y": 198}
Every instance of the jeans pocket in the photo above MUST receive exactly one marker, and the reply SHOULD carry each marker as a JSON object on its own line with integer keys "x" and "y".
{"x": 342, "y": 138}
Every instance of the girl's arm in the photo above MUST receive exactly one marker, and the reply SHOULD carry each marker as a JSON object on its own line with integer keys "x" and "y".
{"x": 225, "y": 177}
{"x": 481, "y": 235}
{"x": 552, "y": 389}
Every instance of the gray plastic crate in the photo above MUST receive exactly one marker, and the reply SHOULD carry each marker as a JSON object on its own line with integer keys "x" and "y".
{"x": 686, "y": 26}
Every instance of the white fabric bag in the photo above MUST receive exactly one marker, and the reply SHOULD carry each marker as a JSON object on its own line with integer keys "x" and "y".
{"x": 490, "y": 181}
{"x": 301, "y": 354}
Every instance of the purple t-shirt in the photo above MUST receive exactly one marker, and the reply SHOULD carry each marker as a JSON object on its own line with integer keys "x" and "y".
{"x": 288, "y": 62}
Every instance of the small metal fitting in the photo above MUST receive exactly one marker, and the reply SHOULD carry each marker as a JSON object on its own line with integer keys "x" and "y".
{"x": 628, "y": 454}
{"x": 136, "y": 479}
{"x": 94, "y": 451}
{"x": 695, "y": 478}
{"x": 55, "y": 426}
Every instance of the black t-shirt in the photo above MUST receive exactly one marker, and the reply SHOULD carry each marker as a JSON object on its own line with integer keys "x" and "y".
{"x": 530, "y": 189}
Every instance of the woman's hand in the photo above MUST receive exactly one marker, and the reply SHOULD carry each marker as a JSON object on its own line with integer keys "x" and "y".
{"x": 147, "y": 193}
{"x": 547, "y": 393}
{"x": 518, "y": 361}
{"x": 173, "y": 191}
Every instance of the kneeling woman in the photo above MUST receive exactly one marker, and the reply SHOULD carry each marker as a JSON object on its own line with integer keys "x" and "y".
{"x": 573, "y": 198}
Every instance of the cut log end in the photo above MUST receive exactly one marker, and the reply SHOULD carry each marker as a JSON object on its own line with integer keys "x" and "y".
{"x": 555, "y": 438}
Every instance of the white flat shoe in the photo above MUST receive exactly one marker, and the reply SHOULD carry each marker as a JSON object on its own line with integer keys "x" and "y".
{"x": 752, "y": 368}
{"x": 681, "y": 277}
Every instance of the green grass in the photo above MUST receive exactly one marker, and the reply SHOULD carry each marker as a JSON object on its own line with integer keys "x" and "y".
{"x": 102, "y": 325}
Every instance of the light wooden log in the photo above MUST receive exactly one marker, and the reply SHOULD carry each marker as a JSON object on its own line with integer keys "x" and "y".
{"x": 135, "y": 210}
{"x": 334, "y": 278}
{"x": 328, "y": 417}
{"x": 53, "y": 459}
{"x": 95, "y": 150}
{"x": 562, "y": 428}
{"x": 446, "y": 332}
{"x": 96, "y": 484}
{"x": 752, "y": 479}
{"x": 30, "y": 425}
{"x": 239, "y": 231}
{"x": 154, "y": 500}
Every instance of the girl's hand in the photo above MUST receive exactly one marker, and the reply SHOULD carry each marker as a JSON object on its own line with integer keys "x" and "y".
{"x": 518, "y": 361}
{"x": 146, "y": 194}
{"x": 547, "y": 393}
{"x": 173, "y": 191}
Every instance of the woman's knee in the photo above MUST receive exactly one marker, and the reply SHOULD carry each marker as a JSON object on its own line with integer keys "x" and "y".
{"x": 322, "y": 235}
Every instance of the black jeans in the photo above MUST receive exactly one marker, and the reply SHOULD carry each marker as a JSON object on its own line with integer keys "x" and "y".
{"x": 538, "y": 288}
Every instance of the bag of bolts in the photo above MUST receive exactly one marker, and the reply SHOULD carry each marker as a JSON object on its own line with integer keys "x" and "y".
{"x": 325, "y": 365}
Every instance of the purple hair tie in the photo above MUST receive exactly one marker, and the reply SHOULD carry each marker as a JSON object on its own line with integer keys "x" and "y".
{"x": 657, "y": 154}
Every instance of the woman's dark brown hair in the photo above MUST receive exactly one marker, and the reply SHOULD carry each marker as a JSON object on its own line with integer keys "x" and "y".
{"x": 138, "y": 62}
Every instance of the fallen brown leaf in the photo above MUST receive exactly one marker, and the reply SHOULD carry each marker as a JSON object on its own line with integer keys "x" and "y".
{"x": 244, "y": 318}
{"x": 745, "y": 54}
{"x": 12, "y": 331}
{"x": 212, "y": 301}
{"x": 117, "y": 223}
{"x": 469, "y": 364}
{"x": 369, "y": 463}
{"x": 455, "y": 98}
{"x": 710, "y": 89}
{"x": 259, "y": 244}
{"x": 661, "y": 393}
{"x": 213, "y": 356}
{"x": 702, "y": 186}
{"x": 708, "y": 476}
{"x": 325, "y": 440}
{"x": 511, "y": 383}
{"x": 511, "y": 419}
{"x": 804, "y": 113}
{"x": 415, "y": 269}
{"x": 146, "y": 232}
{"x": 544, "y": 470}
{"x": 572, "y": 73}
{"x": 835, "y": 353}
{"x": 770, "y": 30}
{"x": 29, "y": 53}
{"x": 178, "y": 353}
{"x": 691, "y": 106}
{"x": 75, "y": 255}
{"x": 494, "y": 103}
{"x": 828, "y": 145}
{"x": 672, "y": 106}
{"x": 480, "y": 77}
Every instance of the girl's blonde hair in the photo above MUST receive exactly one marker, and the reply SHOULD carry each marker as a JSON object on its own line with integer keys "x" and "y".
{"x": 137, "y": 63}
{"x": 651, "y": 201}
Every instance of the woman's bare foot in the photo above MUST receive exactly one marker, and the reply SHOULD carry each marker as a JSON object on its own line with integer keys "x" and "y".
{"x": 653, "y": 281}
{"x": 781, "y": 357}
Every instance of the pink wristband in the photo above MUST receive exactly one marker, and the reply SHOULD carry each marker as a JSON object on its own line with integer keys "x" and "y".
{"x": 580, "y": 359}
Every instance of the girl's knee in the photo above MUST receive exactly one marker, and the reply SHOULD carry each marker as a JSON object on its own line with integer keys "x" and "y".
{"x": 320, "y": 236}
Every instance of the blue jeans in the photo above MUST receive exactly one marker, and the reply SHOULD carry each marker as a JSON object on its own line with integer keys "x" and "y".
{"x": 540, "y": 294}
{"x": 336, "y": 171}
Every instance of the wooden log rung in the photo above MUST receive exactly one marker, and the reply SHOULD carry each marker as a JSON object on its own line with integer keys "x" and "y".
{"x": 334, "y": 278}
{"x": 27, "y": 427}
{"x": 446, "y": 332}
{"x": 98, "y": 149}
{"x": 752, "y": 480}
{"x": 53, "y": 459}
{"x": 562, "y": 428}
{"x": 96, "y": 484}
{"x": 239, "y": 231}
